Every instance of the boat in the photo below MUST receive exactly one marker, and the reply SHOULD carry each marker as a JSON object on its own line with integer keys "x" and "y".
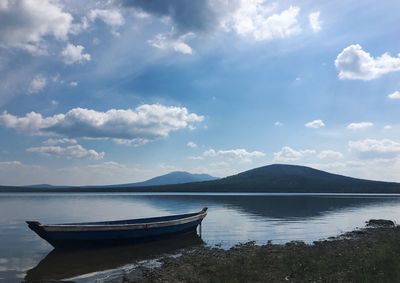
{"x": 88, "y": 234}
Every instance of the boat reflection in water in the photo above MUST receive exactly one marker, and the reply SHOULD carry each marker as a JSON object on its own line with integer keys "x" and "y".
{"x": 60, "y": 264}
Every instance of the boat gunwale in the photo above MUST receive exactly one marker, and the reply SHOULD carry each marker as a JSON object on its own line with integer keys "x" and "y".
{"x": 113, "y": 227}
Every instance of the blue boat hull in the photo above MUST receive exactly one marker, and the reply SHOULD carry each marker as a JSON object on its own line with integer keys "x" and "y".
{"x": 116, "y": 233}
{"x": 103, "y": 238}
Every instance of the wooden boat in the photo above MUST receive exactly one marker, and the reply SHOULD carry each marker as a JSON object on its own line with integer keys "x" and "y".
{"x": 117, "y": 232}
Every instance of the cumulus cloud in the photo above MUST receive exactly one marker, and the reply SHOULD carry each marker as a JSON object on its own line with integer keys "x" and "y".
{"x": 315, "y": 23}
{"x": 372, "y": 145}
{"x": 240, "y": 154}
{"x": 375, "y": 149}
{"x": 315, "y": 124}
{"x": 144, "y": 123}
{"x": 131, "y": 142}
{"x": 111, "y": 17}
{"x": 359, "y": 126}
{"x": 394, "y": 95}
{"x": 353, "y": 63}
{"x": 37, "y": 84}
{"x": 278, "y": 124}
{"x": 289, "y": 154}
{"x": 74, "y": 54}
{"x": 329, "y": 154}
{"x": 191, "y": 144}
{"x": 71, "y": 151}
{"x": 31, "y": 123}
{"x": 169, "y": 42}
{"x": 24, "y": 24}
{"x": 254, "y": 18}
{"x": 73, "y": 84}
{"x": 53, "y": 141}
{"x": 387, "y": 127}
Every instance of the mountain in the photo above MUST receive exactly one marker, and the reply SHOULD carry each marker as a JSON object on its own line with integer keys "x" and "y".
{"x": 281, "y": 178}
{"x": 276, "y": 178}
{"x": 177, "y": 177}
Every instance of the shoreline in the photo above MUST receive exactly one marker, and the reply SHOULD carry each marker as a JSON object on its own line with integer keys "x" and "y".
{"x": 205, "y": 193}
{"x": 370, "y": 254}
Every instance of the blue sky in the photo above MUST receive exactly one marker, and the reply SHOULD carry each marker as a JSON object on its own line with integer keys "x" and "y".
{"x": 120, "y": 91}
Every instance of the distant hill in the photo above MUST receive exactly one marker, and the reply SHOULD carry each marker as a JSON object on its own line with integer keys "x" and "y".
{"x": 46, "y": 186}
{"x": 177, "y": 177}
{"x": 276, "y": 178}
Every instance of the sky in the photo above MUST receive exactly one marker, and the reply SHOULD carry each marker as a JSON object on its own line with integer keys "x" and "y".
{"x": 110, "y": 92}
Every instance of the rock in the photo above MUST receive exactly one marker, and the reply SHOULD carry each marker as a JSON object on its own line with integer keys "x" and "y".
{"x": 380, "y": 223}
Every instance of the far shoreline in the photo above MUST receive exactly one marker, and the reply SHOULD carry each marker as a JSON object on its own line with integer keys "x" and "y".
{"x": 178, "y": 193}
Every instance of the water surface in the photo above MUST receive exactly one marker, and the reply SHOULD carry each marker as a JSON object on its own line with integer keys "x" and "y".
{"x": 231, "y": 219}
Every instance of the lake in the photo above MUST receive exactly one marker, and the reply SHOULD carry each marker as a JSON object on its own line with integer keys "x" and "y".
{"x": 232, "y": 219}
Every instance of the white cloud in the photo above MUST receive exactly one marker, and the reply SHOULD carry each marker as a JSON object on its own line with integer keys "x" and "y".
{"x": 144, "y": 123}
{"x": 329, "y": 154}
{"x": 131, "y": 142}
{"x": 254, "y": 18}
{"x": 315, "y": 124}
{"x": 32, "y": 123}
{"x": 359, "y": 126}
{"x": 377, "y": 146}
{"x": 315, "y": 23}
{"x": 71, "y": 151}
{"x": 168, "y": 42}
{"x": 37, "y": 84}
{"x": 387, "y": 127}
{"x": 394, "y": 95}
{"x": 9, "y": 163}
{"x": 73, "y": 84}
{"x": 191, "y": 144}
{"x": 59, "y": 141}
{"x": 354, "y": 63}
{"x": 112, "y": 18}
{"x": 278, "y": 124}
{"x": 74, "y": 54}
{"x": 25, "y": 23}
{"x": 210, "y": 153}
{"x": 371, "y": 148}
{"x": 289, "y": 154}
{"x": 240, "y": 154}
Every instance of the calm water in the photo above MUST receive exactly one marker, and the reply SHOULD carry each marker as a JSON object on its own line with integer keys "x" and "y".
{"x": 231, "y": 219}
